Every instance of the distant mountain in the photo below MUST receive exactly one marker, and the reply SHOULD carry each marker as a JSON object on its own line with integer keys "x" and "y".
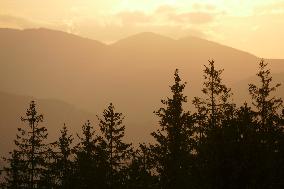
{"x": 134, "y": 73}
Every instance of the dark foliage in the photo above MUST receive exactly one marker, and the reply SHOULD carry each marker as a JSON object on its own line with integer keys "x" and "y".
{"x": 219, "y": 146}
{"x": 28, "y": 160}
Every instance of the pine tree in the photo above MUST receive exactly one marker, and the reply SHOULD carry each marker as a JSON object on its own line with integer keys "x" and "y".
{"x": 28, "y": 159}
{"x": 117, "y": 152}
{"x": 60, "y": 168}
{"x": 267, "y": 107}
{"x": 64, "y": 157}
{"x": 85, "y": 175}
{"x": 214, "y": 112}
{"x": 216, "y": 103}
{"x": 270, "y": 130}
{"x": 174, "y": 139}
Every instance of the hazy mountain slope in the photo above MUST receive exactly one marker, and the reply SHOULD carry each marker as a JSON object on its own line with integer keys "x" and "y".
{"x": 133, "y": 73}
{"x": 55, "y": 113}
{"x": 153, "y": 50}
{"x": 31, "y": 60}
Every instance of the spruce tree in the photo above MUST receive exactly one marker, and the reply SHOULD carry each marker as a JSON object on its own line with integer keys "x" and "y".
{"x": 270, "y": 130}
{"x": 85, "y": 175}
{"x": 28, "y": 159}
{"x": 214, "y": 111}
{"x": 174, "y": 140}
{"x": 64, "y": 157}
{"x": 216, "y": 104}
{"x": 60, "y": 168}
{"x": 117, "y": 152}
{"x": 267, "y": 107}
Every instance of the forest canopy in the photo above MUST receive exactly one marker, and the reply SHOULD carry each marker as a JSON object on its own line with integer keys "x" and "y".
{"x": 219, "y": 145}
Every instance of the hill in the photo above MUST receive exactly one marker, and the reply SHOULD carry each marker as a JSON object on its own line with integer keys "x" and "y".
{"x": 134, "y": 73}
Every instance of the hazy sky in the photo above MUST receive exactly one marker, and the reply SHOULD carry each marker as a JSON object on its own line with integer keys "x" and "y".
{"x": 256, "y": 26}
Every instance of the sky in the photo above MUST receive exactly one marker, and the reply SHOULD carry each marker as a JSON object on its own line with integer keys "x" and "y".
{"x": 255, "y": 26}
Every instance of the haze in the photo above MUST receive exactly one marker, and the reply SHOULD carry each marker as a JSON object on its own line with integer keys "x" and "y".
{"x": 103, "y": 54}
{"x": 254, "y": 26}
{"x": 141, "y": 94}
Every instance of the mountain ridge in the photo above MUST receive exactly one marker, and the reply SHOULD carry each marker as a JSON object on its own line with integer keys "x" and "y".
{"x": 134, "y": 77}
{"x": 150, "y": 35}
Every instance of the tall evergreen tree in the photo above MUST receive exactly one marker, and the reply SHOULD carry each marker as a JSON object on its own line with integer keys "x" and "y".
{"x": 216, "y": 105}
{"x": 270, "y": 130}
{"x": 85, "y": 176}
{"x": 64, "y": 157}
{"x": 267, "y": 107}
{"x": 60, "y": 168}
{"x": 214, "y": 111}
{"x": 28, "y": 159}
{"x": 174, "y": 139}
{"x": 117, "y": 152}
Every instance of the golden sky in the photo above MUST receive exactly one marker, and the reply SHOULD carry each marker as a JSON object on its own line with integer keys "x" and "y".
{"x": 256, "y": 26}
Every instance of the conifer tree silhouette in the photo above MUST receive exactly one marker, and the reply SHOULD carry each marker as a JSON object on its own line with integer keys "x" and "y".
{"x": 117, "y": 152}
{"x": 270, "y": 130}
{"x": 174, "y": 144}
{"x": 212, "y": 111}
{"x": 85, "y": 176}
{"x": 219, "y": 146}
{"x": 268, "y": 108}
{"x": 28, "y": 159}
{"x": 61, "y": 165}
{"x": 217, "y": 95}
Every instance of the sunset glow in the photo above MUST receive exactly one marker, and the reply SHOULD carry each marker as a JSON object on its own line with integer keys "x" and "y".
{"x": 246, "y": 25}
{"x": 141, "y": 94}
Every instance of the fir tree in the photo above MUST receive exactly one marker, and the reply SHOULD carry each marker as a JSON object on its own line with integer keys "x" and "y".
{"x": 60, "y": 168}
{"x": 85, "y": 175}
{"x": 117, "y": 152}
{"x": 270, "y": 130}
{"x": 64, "y": 157}
{"x": 214, "y": 112}
{"x": 28, "y": 159}
{"x": 268, "y": 108}
{"x": 174, "y": 139}
{"x": 216, "y": 105}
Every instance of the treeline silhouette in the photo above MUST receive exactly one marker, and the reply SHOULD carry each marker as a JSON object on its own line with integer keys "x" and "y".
{"x": 218, "y": 146}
